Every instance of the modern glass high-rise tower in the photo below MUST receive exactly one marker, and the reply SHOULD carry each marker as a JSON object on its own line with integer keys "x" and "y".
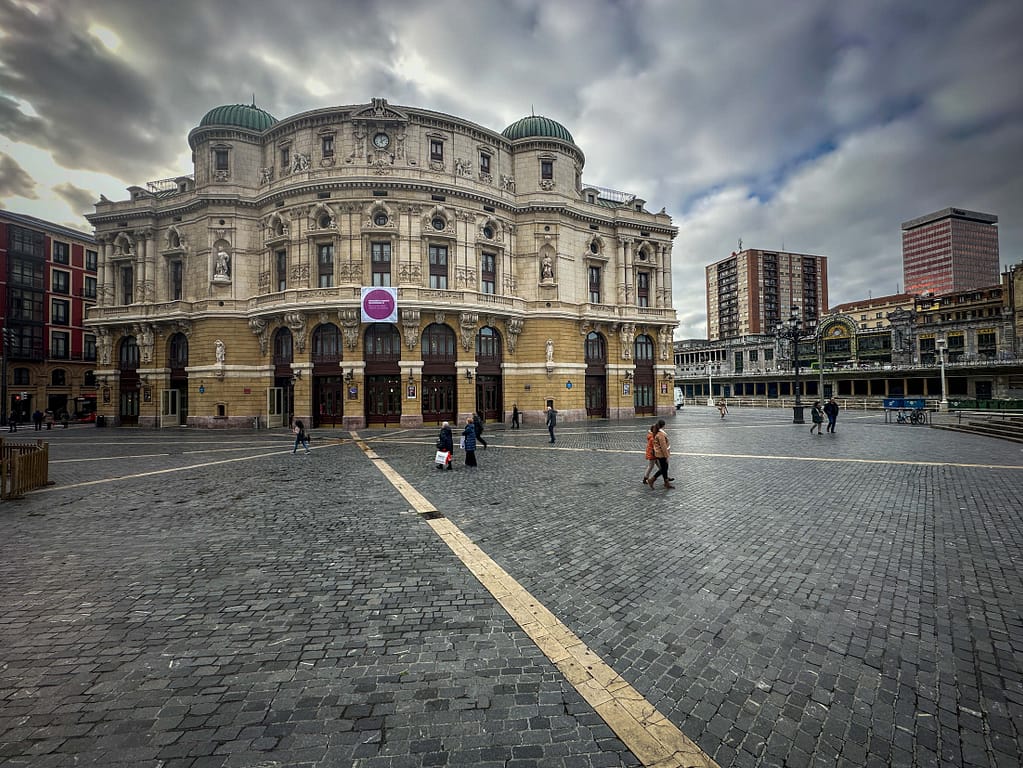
{"x": 950, "y": 250}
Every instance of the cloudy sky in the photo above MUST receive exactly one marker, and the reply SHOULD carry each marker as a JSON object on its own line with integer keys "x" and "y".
{"x": 813, "y": 126}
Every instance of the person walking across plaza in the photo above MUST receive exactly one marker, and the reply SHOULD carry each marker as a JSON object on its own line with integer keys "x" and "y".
{"x": 662, "y": 451}
{"x": 722, "y": 407}
{"x": 831, "y": 411}
{"x": 477, "y": 423}
{"x": 300, "y": 437}
{"x": 515, "y": 416}
{"x": 12, "y": 422}
{"x": 469, "y": 440}
{"x": 446, "y": 443}
{"x": 651, "y": 460}
{"x": 37, "y": 419}
{"x": 817, "y": 415}
{"x": 552, "y": 421}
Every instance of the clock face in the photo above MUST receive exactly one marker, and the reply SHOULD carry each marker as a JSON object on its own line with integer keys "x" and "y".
{"x": 381, "y": 140}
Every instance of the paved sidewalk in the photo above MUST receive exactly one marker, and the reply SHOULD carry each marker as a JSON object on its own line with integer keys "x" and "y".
{"x": 850, "y": 599}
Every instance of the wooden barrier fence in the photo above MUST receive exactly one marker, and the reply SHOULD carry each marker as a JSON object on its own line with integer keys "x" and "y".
{"x": 23, "y": 467}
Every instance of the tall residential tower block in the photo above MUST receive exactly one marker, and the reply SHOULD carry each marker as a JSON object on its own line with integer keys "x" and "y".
{"x": 753, "y": 290}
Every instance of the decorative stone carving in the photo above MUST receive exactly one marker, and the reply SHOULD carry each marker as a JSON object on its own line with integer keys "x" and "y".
{"x": 222, "y": 267}
{"x": 296, "y": 322}
{"x": 261, "y": 329}
{"x": 463, "y": 168}
{"x": 549, "y": 351}
{"x": 221, "y": 176}
{"x": 437, "y": 165}
{"x": 467, "y": 322}
{"x": 220, "y": 352}
{"x": 299, "y": 272}
{"x": 301, "y": 163}
{"x": 144, "y": 334}
{"x": 664, "y": 338}
{"x": 547, "y": 185}
{"x": 410, "y": 324}
{"x": 486, "y": 178}
{"x": 627, "y": 337}
{"x": 103, "y": 345}
{"x": 266, "y": 174}
{"x": 410, "y": 273}
{"x": 350, "y": 322}
{"x": 547, "y": 269}
{"x": 513, "y": 328}
{"x": 507, "y": 183}
{"x": 438, "y": 318}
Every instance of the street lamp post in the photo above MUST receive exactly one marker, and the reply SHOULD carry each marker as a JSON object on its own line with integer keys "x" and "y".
{"x": 941, "y": 344}
{"x": 710, "y": 384}
{"x": 792, "y": 329}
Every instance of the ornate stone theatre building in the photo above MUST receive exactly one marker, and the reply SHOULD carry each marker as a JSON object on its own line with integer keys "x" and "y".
{"x": 377, "y": 265}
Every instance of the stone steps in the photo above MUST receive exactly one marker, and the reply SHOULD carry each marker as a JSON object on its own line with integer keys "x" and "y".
{"x": 1004, "y": 428}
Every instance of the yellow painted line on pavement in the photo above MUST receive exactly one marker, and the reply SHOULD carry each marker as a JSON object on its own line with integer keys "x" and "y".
{"x": 651, "y": 737}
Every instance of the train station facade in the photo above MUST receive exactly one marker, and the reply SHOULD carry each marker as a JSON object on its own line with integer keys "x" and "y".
{"x": 376, "y": 264}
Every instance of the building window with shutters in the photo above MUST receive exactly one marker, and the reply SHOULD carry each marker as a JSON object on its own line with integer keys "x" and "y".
{"x": 594, "y": 283}
{"x": 643, "y": 289}
{"x": 488, "y": 272}
{"x": 437, "y": 150}
{"x": 325, "y": 264}
{"x": 281, "y": 268}
{"x": 439, "y": 266}
{"x": 380, "y": 259}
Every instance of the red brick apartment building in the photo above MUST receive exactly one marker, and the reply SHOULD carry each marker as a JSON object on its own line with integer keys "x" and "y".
{"x": 47, "y": 282}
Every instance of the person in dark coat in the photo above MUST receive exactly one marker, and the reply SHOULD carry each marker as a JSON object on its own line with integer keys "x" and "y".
{"x": 469, "y": 433}
{"x": 552, "y": 421}
{"x": 831, "y": 411}
{"x": 515, "y": 416}
{"x": 37, "y": 417}
{"x": 477, "y": 422}
{"x": 445, "y": 442}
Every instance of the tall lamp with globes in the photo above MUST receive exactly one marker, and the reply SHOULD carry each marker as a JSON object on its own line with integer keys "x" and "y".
{"x": 710, "y": 384}
{"x": 942, "y": 345}
{"x": 792, "y": 329}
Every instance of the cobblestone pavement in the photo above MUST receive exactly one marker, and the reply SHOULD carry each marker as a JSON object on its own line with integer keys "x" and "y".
{"x": 191, "y": 598}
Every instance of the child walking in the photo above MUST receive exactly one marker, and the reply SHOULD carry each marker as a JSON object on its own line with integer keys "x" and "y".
{"x": 300, "y": 437}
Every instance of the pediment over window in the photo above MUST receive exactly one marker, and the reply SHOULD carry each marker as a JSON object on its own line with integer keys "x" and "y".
{"x": 379, "y": 110}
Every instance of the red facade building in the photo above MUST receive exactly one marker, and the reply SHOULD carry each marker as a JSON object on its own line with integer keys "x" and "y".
{"x": 950, "y": 250}
{"x": 47, "y": 282}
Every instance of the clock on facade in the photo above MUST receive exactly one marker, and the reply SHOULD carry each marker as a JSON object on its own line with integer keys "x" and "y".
{"x": 381, "y": 140}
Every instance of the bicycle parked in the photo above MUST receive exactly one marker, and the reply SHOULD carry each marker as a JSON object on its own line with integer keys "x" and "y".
{"x": 915, "y": 416}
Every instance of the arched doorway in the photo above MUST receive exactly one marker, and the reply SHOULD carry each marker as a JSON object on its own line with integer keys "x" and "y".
{"x": 280, "y": 398}
{"x": 439, "y": 375}
{"x": 174, "y": 400}
{"x": 328, "y": 387}
{"x": 128, "y": 362}
{"x": 488, "y": 374}
{"x": 383, "y": 376}
{"x": 596, "y": 376}
{"x": 643, "y": 382}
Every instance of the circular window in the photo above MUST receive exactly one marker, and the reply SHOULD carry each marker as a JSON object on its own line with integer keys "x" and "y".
{"x": 594, "y": 247}
{"x": 380, "y": 219}
{"x": 488, "y": 232}
{"x": 438, "y": 223}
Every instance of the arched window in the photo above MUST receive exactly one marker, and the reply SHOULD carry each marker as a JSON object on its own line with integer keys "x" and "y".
{"x": 58, "y": 378}
{"x": 129, "y": 354}
{"x": 644, "y": 348}
{"x": 596, "y": 348}
{"x": 283, "y": 352}
{"x": 383, "y": 342}
{"x": 177, "y": 351}
{"x": 488, "y": 345}
{"x": 439, "y": 344}
{"x": 327, "y": 344}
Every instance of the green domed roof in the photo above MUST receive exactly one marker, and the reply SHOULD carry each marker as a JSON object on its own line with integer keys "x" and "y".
{"x": 241, "y": 115}
{"x": 536, "y": 125}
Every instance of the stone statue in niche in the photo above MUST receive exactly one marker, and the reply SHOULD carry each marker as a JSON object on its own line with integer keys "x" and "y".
{"x": 220, "y": 350}
{"x": 222, "y": 268}
{"x": 549, "y": 351}
{"x": 547, "y": 268}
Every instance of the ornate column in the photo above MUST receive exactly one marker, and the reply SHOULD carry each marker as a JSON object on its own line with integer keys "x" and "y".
{"x": 139, "y": 292}
{"x": 103, "y": 241}
{"x": 620, "y": 271}
{"x": 668, "y": 297}
{"x": 627, "y": 245}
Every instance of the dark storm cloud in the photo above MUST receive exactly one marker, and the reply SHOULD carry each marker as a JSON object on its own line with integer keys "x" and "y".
{"x": 80, "y": 200}
{"x": 813, "y": 125}
{"x": 14, "y": 181}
